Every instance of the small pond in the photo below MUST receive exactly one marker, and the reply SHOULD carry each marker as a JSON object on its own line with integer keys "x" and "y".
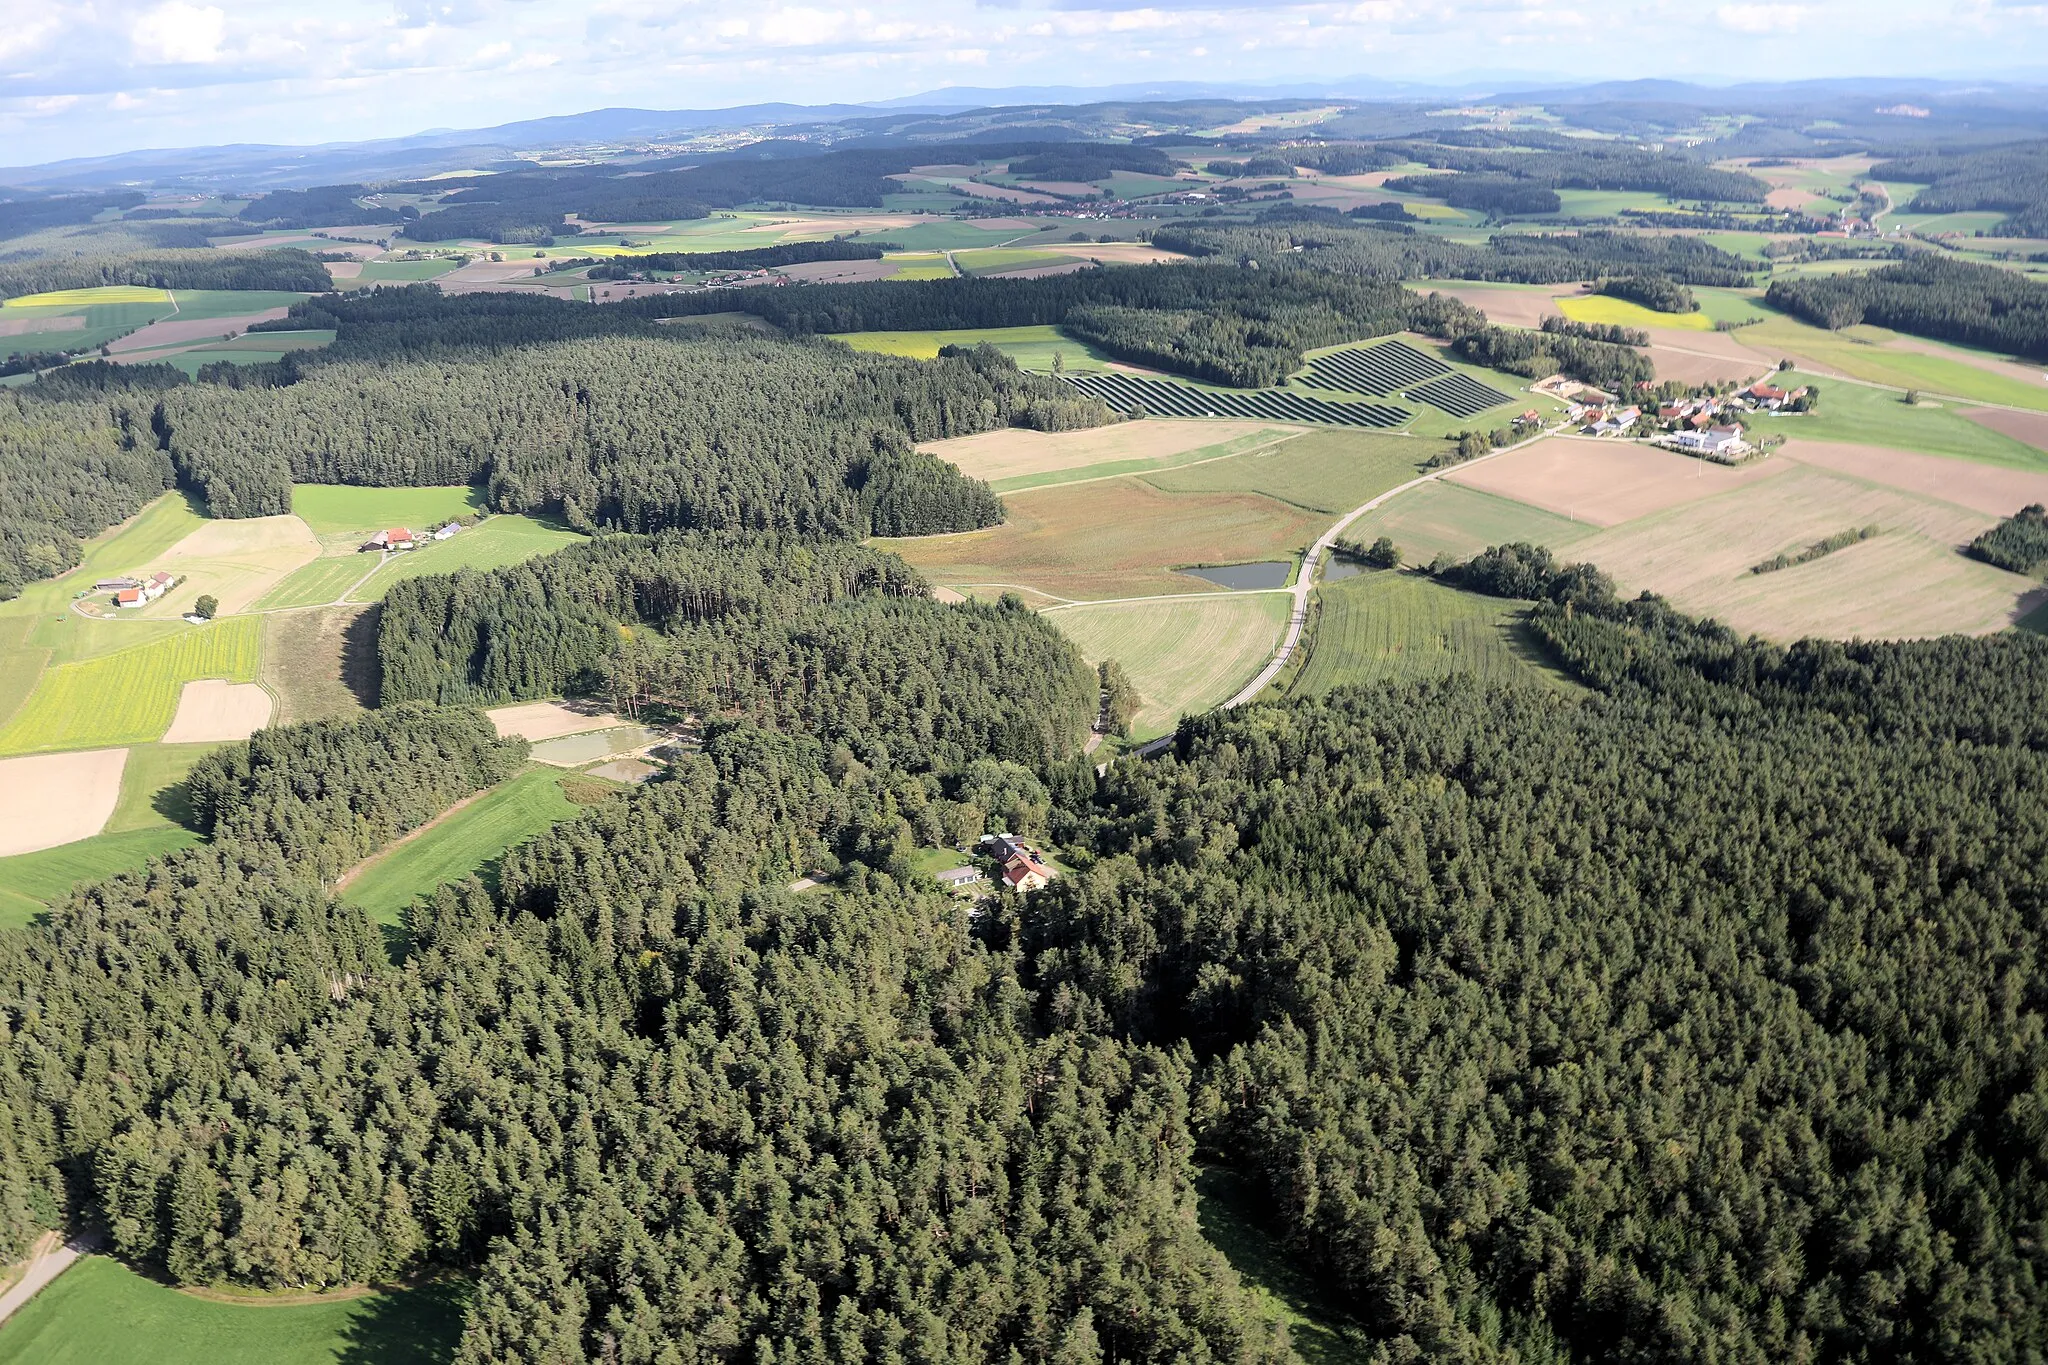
{"x": 1336, "y": 570}
{"x": 1272, "y": 573}
{"x": 572, "y": 751}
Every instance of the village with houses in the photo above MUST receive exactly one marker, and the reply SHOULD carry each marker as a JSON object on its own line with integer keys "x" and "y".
{"x": 1706, "y": 422}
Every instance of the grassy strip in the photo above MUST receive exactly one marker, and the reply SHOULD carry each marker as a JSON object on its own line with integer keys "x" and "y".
{"x": 470, "y": 840}
{"x": 31, "y": 882}
{"x": 1403, "y": 627}
{"x": 1258, "y": 440}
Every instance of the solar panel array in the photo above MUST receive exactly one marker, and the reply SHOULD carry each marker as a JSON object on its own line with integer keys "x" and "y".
{"x": 1459, "y": 394}
{"x": 1126, "y": 391}
{"x": 1383, "y": 369}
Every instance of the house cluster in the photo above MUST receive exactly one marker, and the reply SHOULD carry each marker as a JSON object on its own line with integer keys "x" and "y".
{"x": 398, "y": 538}
{"x": 1604, "y": 419}
{"x": 1023, "y": 868}
{"x": 136, "y": 592}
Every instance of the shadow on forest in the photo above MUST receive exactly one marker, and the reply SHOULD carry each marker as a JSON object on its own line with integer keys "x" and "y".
{"x": 417, "y": 1325}
{"x": 359, "y": 655}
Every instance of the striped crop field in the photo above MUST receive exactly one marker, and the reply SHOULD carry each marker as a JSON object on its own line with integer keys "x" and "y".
{"x": 1398, "y": 627}
{"x": 129, "y": 696}
{"x": 86, "y": 298}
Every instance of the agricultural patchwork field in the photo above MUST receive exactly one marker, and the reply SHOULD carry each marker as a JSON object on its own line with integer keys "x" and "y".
{"x": 1013, "y": 459}
{"x": 461, "y": 842}
{"x": 1184, "y": 655}
{"x": 1908, "y": 581}
{"x": 1854, "y": 414}
{"x": 131, "y": 695}
{"x": 1322, "y": 471}
{"x": 101, "y": 1311}
{"x": 1404, "y": 627}
{"x": 1878, "y": 356}
{"x": 235, "y": 562}
{"x": 1114, "y": 538}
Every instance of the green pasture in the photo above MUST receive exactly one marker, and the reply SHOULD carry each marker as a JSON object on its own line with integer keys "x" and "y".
{"x": 398, "y": 272}
{"x": 334, "y": 509}
{"x": 228, "y": 303}
{"x": 1967, "y": 222}
{"x": 1863, "y": 353}
{"x": 1402, "y": 627}
{"x": 129, "y": 696}
{"x": 1858, "y": 415}
{"x": 1730, "y": 305}
{"x": 494, "y": 544}
{"x": 921, "y": 265}
{"x": 1607, "y": 203}
{"x": 470, "y": 840}
{"x": 1332, "y": 470}
{"x": 1447, "y": 518}
{"x": 31, "y": 882}
{"x": 951, "y": 234}
{"x": 100, "y": 1311}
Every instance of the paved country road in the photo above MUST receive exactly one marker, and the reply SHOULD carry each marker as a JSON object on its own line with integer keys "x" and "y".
{"x": 50, "y": 1259}
{"x": 1305, "y": 582}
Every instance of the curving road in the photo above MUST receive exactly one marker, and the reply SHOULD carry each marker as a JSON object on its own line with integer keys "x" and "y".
{"x": 1305, "y": 582}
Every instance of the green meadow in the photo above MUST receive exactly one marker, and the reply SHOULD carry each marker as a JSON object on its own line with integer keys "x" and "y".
{"x": 493, "y": 544}
{"x": 462, "y": 843}
{"x": 1859, "y": 415}
{"x": 331, "y": 508}
{"x": 100, "y": 1311}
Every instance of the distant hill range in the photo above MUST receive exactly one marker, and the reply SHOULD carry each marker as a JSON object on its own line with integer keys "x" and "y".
{"x": 1800, "y": 117}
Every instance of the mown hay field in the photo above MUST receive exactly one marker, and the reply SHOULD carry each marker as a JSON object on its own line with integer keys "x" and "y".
{"x": 1322, "y": 471}
{"x": 319, "y": 583}
{"x": 460, "y": 843}
{"x": 234, "y": 562}
{"x": 1184, "y": 655}
{"x": 101, "y": 1311}
{"x": 1114, "y": 538}
{"x": 1404, "y": 627}
{"x": 130, "y": 696}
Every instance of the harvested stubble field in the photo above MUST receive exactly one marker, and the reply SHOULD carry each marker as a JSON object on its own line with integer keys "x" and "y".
{"x": 52, "y": 799}
{"x": 1183, "y": 655}
{"x": 1013, "y": 458}
{"x": 211, "y": 710}
{"x": 236, "y": 562}
{"x": 1910, "y": 581}
{"x": 1403, "y": 627}
{"x": 539, "y": 720}
{"x": 1324, "y": 471}
{"x": 1605, "y": 482}
{"x": 1444, "y": 518}
{"x": 129, "y": 696}
{"x": 1982, "y": 488}
{"x": 2031, "y": 427}
{"x": 1114, "y": 538}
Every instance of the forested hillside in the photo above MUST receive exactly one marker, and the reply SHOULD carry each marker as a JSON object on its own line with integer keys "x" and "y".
{"x": 634, "y": 433}
{"x": 69, "y": 470}
{"x": 827, "y": 637}
{"x": 1930, "y": 296}
{"x": 285, "y": 268}
{"x": 1700, "y": 1021}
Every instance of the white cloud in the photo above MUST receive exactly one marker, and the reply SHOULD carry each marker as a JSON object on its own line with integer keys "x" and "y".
{"x": 177, "y": 33}
{"x": 1758, "y": 18}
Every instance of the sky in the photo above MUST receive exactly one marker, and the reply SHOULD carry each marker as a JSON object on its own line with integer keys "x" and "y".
{"x": 89, "y": 77}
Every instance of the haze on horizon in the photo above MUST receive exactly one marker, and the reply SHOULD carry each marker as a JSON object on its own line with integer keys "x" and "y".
{"x": 115, "y": 75}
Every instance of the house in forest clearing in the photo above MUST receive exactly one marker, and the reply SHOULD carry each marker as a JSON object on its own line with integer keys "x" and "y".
{"x": 1024, "y": 873}
{"x": 959, "y": 878}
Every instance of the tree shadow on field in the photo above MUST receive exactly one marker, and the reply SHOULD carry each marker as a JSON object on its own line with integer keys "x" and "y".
{"x": 359, "y": 673}
{"x": 418, "y": 1324}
